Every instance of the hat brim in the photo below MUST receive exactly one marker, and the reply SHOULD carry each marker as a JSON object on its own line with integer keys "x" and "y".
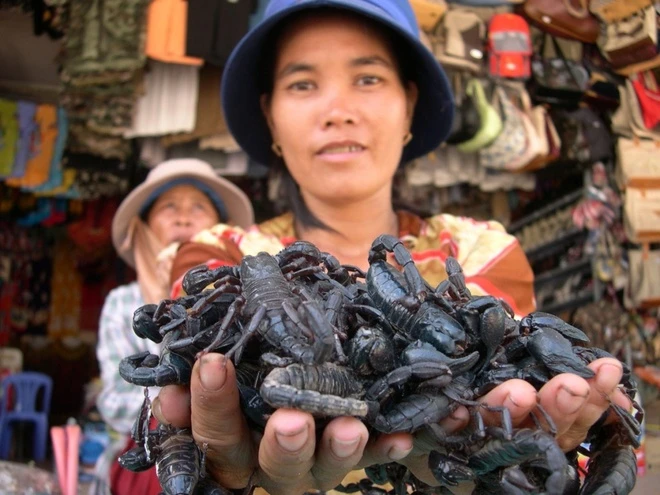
{"x": 433, "y": 114}
{"x": 239, "y": 208}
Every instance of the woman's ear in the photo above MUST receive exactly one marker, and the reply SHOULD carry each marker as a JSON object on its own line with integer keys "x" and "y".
{"x": 412, "y": 93}
{"x": 264, "y": 101}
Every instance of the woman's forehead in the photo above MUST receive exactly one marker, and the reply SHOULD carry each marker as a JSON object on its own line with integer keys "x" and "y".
{"x": 331, "y": 27}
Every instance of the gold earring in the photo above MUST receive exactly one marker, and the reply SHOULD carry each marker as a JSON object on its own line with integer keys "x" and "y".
{"x": 277, "y": 149}
{"x": 407, "y": 138}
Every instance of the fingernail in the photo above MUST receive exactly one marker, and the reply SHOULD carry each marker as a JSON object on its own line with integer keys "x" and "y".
{"x": 212, "y": 372}
{"x": 344, "y": 448}
{"x": 512, "y": 400}
{"x": 293, "y": 441}
{"x": 396, "y": 453}
{"x": 568, "y": 401}
{"x": 604, "y": 379}
{"x": 157, "y": 412}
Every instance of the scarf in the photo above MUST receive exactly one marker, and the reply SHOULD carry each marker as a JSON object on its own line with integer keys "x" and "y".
{"x": 152, "y": 273}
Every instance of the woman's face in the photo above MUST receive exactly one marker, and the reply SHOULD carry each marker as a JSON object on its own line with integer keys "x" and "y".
{"x": 338, "y": 109}
{"x": 181, "y": 212}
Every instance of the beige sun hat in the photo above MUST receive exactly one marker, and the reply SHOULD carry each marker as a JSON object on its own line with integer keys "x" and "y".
{"x": 237, "y": 204}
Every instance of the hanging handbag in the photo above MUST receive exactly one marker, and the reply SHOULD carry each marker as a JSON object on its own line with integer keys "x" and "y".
{"x": 491, "y": 122}
{"x": 643, "y": 288}
{"x": 630, "y": 40}
{"x": 585, "y": 137}
{"x": 467, "y": 121}
{"x": 428, "y": 12}
{"x": 637, "y": 163}
{"x": 563, "y": 18}
{"x": 511, "y": 142}
{"x": 641, "y": 215}
{"x": 615, "y": 10}
{"x": 648, "y": 95}
{"x": 534, "y": 120}
{"x": 557, "y": 81}
{"x": 460, "y": 41}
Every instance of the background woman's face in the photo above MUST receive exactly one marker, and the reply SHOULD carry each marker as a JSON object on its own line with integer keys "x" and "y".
{"x": 338, "y": 108}
{"x": 181, "y": 212}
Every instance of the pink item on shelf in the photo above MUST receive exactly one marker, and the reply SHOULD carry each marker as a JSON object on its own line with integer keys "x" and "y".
{"x": 58, "y": 437}
{"x": 72, "y": 456}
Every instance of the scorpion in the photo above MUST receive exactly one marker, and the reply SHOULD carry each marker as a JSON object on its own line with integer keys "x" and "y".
{"x": 403, "y": 298}
{"x": 286, "y": 315}
{"x": 178, "y": 460}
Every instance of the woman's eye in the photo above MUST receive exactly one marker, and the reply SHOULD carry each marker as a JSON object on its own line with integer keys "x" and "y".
{"x": 369, "y": 80}
{"x": 301, "y": 86}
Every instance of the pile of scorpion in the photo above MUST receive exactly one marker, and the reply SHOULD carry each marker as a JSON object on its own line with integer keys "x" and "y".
{"x": 307, "y": 332}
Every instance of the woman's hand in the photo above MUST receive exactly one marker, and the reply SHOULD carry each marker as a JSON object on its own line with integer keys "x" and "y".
{"x": 290, "y": 460}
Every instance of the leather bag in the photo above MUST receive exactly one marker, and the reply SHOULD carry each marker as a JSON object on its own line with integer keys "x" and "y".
{"x": 641, "y": 214}
{"x": 630, "y": 40}
{"x": 511, "y": 143}
{"x": 643, "y": 288}
{"x": 534, "y": 120}
{"x": 637, "y": 163}
{"x": 491, "y": 122}
{"x": 563, "y": 18}
{"x": 557, "y": 81}
{"x": 460, "y": 41}
{"x": 648, "y": 96}
{"x": 615, "y": 10}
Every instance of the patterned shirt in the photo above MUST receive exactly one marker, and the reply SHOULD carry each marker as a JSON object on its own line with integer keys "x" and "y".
{"x": 119, "y": 402}
{"x": 492, "y": 260}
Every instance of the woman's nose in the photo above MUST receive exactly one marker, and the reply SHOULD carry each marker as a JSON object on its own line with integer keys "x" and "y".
{"x": 340, "y": 109}
{"x": 183, "y": 218}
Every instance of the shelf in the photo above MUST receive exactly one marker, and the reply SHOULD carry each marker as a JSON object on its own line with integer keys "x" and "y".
{"x": 580, "y": 299}
{"x": 557, "y": 245}
{"x": 546, "y": 210}
{"x": 582, "y": 266}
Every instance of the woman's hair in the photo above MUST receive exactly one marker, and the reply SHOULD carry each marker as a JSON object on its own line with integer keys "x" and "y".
{"x": 289, "y": 190}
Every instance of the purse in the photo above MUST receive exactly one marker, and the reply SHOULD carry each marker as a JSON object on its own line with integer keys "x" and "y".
{"x": 563, "y": 18}
{"x": 534, "y": 120}
{"x": 460, "y": 41}
{"x": 614, "y": 10}
{"x": 630, "y": 40}
{"x": 641, "y": 215}
{"x": 637, "y": 163}
{"x": 648, "y": 95}
{"x": 643, "y": 288}
{"x": 511, "y": 142}
{"x": 557, "y": 81}
{"x": 466, "y": 121}
{"x": 491, "y": 122}
{"x": 428, "y": 12}
{"x": 585, "y": 137}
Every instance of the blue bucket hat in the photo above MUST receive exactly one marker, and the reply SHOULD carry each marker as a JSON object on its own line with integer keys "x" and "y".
{"x": 240, "y": 91}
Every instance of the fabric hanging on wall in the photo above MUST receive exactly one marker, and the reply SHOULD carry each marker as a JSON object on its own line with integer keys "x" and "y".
{"x": 215, "y": 27}
{"x": 66, "y": 295}
{"x": 169, "y": 102}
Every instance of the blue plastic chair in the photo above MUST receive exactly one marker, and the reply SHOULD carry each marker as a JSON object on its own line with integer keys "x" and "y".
{"x": 23, "y": 408}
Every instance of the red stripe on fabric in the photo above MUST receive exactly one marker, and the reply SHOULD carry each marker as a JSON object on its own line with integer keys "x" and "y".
{"x": 491, "y": 289}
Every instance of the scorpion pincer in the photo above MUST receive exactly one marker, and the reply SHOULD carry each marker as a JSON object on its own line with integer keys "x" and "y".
{"x": 403, "y": 299}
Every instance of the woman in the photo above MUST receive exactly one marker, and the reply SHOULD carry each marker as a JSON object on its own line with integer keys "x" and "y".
{"x": 178, "y": 199}
{"x": 342, "y": 92}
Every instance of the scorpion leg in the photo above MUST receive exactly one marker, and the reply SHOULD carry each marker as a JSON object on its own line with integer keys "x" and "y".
{"x": 231, "y": 315}
{"x": 253, "y": 326}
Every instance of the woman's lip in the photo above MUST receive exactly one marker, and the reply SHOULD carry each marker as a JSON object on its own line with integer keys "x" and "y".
{"x": 341, "y": 156}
